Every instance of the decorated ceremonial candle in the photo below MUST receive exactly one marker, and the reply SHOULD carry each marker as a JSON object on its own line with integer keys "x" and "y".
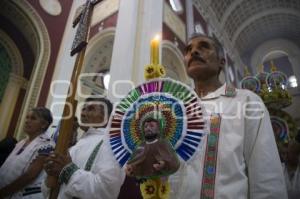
{"x": 154, "y": 57}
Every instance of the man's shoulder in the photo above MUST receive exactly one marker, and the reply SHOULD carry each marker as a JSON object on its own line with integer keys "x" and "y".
{"x": 245, "y": 93}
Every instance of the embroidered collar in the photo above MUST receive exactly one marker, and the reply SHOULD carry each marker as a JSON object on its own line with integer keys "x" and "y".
{"x": 38, "y": 140}
{"x": 227, "y": 90}
{"x": 42, "y": 137}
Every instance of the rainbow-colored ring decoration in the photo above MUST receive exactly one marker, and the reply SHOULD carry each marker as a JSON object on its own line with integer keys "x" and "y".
{"x": 251, "y": 83}
{"x": 277, "y": 79}
{"x": 280, "y": 128}
{"x": 291, "y": 124}
{"x": 175, "y": 104}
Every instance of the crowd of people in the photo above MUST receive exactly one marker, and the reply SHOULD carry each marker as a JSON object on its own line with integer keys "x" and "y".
{"x": 239, "y": 158}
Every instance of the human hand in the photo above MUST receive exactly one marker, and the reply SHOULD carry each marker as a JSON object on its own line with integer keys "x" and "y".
{"x": 55, "y": 162}
{"x": 129, "y": 170}
{"x": 159, "y": 165}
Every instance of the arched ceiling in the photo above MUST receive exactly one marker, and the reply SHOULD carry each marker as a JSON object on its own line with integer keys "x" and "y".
{"x": 249, "y": 23}
{"x": 284, "y": 26}
{"x": 20, "y": 30}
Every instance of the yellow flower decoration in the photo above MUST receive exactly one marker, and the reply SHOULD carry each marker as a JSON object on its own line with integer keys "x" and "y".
{"x": 150, "y": 69}
{"x": 164, "y": 190}
{"x": 149, "y": 72}
{"x": 154, "y": 71}
{"x": 148, "y": 189}
{"x": 162, "y": 71}
{"x": 155, "y": 189}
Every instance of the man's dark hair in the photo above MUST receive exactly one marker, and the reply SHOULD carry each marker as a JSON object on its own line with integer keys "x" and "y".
{"x": 150, "y": 119}
{"x": 43, "y": 113}
{"x": 109, "y": 105}
{"x": 153, "y": 119}
{"x": 217, "y": 44}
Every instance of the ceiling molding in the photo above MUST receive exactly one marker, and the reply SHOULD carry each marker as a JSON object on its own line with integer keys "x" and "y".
{"x": 229, "y": 11}
{"x": 208, "y": 14}
{"x": 274, "y": 45}
{"x": 259, "y": 15}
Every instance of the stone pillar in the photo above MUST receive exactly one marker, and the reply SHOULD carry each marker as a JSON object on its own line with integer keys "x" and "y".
{"x": 15, "y": 83}
{"x": 138, "y": 22}
{"x": 189, "y": 18}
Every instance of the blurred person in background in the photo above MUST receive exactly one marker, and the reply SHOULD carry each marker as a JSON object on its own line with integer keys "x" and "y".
{"x": 22, "y": 172}
{"x": 291, "y": 170}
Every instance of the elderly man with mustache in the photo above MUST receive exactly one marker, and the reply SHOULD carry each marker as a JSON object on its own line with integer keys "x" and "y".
{"x": 240, "y": 158}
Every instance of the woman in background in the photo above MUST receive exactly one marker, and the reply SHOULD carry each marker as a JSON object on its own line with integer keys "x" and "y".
{"x": 22, "y": 172}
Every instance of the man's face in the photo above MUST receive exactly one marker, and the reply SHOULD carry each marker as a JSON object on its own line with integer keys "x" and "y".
{"x": 93, "y": 114}
{"x": 151, "y": 130}
{"x": 201, "y": 59}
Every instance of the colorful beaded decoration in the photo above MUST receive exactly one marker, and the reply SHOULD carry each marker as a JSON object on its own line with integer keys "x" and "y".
{"x": 92, "y": 157}
{"x": 177, "y": 106}
{"x": 210, "y": 161}
{"x": 67, "y": 172}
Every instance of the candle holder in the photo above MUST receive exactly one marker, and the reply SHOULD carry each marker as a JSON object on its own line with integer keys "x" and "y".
{"x": 154, "y": 69}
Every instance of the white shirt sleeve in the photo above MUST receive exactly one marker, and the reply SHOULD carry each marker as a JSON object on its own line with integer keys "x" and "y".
{"x": 103, "y": 182}
{"x": 263, "y": 164}
{"x": 45, "y": 190}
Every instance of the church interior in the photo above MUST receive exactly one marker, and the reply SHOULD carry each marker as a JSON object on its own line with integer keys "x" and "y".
{"x": 259, "y": 38}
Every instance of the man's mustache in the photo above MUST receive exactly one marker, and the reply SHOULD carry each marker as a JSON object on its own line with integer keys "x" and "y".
{"x": 151, "y": 136}
{"x": 196, "y": 58}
